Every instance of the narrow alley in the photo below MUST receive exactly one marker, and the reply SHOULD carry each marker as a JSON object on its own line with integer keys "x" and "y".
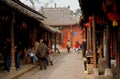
{"x": 30, "y": 29}
{"x": 69, "y": 66}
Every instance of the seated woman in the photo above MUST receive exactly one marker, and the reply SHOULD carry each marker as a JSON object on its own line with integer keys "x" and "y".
{"x": 99, "y": 51}
{"x": 31, "y": 54}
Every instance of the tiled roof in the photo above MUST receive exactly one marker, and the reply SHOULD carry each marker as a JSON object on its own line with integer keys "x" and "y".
{"x": 59, "y": 16}
{"x": 16, "y": 4}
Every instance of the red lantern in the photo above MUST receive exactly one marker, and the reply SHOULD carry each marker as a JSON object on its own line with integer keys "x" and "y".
{"x": 87, "y": 25}
{"x": 111, "y": 16}
{"x": 90, "y": 18}
{"x": 23, "y": 26}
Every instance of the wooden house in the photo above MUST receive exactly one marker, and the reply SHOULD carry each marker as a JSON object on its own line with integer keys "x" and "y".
{"x": 23, "y": 26}
{"x": 102, "y": 21}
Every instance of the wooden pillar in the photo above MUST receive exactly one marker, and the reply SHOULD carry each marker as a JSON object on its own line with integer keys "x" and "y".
{"x": 54, "y": 43}
{"x": 94, "y": 43}
{"x": 71, "y": 36}
{"x": 12, "y": 43}
{"x": 118, "y": 53}
{"x": 51, "y": 42}
{"x": 104, "y": 43}
{"x": 108, "y": 45}
{"x": 34, "y": 34}
{"x": 90, "y": 39}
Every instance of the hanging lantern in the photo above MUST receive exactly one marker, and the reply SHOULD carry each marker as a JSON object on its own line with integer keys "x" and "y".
{"x": 87, "y": 25}
{"x": 111, "y": 16}
{"x": 23, "y": 26}
{"x": 90, "y": 18}
{"x": 115, "y": 23}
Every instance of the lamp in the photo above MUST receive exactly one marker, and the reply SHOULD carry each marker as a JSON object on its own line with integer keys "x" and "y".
{"x": 115, "y": 23}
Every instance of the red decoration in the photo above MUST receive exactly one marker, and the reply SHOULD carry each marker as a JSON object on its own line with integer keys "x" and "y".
{"x": 57, "y": 36}
{"x": 23, "y": 26}
{"x": 104, "y": 7}
{"x": 87, "y": 25}
{"x": 90, "y": 18}
{"x": 104, "y": 61}
{"x": 114, "y": 7}
{"x": 111, "y": 16}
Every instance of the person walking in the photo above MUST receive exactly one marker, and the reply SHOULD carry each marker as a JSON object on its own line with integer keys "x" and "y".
{"x": 42, "y": 55}
{"x": 77, "y": 47}
{"x": 68, "y": 46}
{"x": 84, "y": 47}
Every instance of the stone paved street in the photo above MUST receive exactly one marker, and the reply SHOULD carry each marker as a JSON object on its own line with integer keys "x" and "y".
{"x": 66, "y": 66}
{"x": 69, "y": 66}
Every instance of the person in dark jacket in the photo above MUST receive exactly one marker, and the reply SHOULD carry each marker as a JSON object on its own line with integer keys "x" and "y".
{"x": 84, "y": 47}
{"x": 42, "y": 55}
{"x": 7, "y": 54}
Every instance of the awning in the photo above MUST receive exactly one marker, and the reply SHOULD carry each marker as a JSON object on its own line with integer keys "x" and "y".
{"x": 49, "y": 28}
{"x": 22, "y": 8}
{"x": 30, "y": 12}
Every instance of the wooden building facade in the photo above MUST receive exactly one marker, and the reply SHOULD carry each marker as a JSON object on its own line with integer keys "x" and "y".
{"x": 22, "y": 26}
{"x": 102, "y": 21}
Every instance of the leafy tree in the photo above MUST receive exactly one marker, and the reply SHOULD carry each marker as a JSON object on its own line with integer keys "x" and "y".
{"x": 40, "y": 2}
{"x": 78, "y": 12}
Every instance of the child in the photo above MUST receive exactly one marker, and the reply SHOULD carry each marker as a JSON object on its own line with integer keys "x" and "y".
{"x": 50, "y": 58}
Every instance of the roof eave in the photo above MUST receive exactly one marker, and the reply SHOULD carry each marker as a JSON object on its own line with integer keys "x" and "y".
{"x": 23, "y": 10}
